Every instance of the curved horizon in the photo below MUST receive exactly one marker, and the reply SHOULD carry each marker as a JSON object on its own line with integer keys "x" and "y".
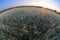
{"x": 43, "y": 8}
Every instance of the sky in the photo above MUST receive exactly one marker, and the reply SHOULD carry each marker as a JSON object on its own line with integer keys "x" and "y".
{"x": 51, "y": 4}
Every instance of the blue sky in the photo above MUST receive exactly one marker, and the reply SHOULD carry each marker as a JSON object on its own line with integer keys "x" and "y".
{"x": 55, "y": 4}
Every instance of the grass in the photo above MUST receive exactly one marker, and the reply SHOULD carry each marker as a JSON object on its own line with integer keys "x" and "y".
{"x": 28, "y": 23}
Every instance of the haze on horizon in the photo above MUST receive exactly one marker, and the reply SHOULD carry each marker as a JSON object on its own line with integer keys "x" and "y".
{"x": 51, "y": 4}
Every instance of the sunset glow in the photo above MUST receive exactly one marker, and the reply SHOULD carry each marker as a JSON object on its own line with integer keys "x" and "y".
{"x": 51, "y": 4}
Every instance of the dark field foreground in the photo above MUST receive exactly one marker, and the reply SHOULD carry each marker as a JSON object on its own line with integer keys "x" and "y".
{"x": 29, "y": 23}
